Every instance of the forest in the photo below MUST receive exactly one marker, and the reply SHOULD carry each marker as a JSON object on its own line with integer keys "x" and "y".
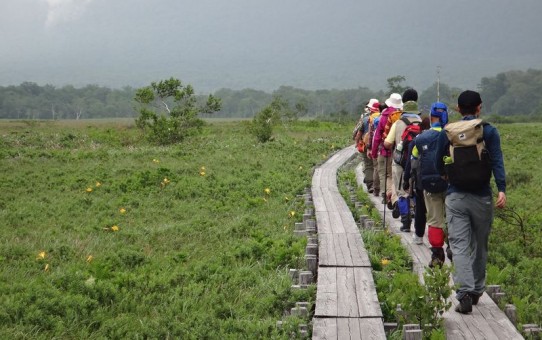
{"x": 509, "y": 96}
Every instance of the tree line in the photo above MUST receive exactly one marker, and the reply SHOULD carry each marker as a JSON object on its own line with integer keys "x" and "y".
{"x": 508, "y": 94}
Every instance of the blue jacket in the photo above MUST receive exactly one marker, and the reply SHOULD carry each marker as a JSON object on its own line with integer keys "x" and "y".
{"x": 492, "y": 142}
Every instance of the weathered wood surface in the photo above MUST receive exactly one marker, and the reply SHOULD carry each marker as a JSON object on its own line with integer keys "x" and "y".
{"x": 346, "y": 305}
{"x": 342, "y": 250}
{"x": 486, "y": 321}
{"x": 347, "y": 328}
{"x": 346, "y": 292}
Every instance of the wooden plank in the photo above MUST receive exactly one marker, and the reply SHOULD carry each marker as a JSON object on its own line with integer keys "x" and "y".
{"x": 318, "y": 199}
{"x": 323, "y": 222}
{"x": 348, "y": 329}
{"x": 324, "y": 329}
{"x": 326, "y": 292}
{"x": 326, "y": 250}
{"x": 346, "y": 292}
{"x": 368, "y": 303}
{"x": 343, "y": 250}
{"x": 346, "y": 297}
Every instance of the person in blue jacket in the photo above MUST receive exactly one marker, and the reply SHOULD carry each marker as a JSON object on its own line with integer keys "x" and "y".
{"x": 469, "y": 211}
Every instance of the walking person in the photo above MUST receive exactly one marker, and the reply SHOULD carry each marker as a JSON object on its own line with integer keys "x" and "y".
{"x": 469, "y": 201}
{"x": 410, "y": 115}
{"x": 433, "y": 185}
{"x": 383, "y": 155}
{"x": 361, "y": 137}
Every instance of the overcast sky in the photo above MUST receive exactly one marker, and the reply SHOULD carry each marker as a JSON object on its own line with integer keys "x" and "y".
{"x": 263, "y": 44}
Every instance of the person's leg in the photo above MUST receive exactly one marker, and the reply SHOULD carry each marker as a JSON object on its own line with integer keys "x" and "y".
{"x": 368, "y": 170}
{"x": 482, "y": 218}
{"x": 460, "y": 236}
{"x": 420, "y": 217}
{"x": 376, "y": 178}
{"x": 435, "y": 220}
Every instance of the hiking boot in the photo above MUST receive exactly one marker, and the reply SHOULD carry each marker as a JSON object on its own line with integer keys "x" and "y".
{"x": 475, "y": 298}
{"x": 417, "y": 239}
{"x": 395, "y": 210}
{"x": 465, "y": 305}
{"x": 406, "y": 221}
{"x": 437, "y": 257}
{"x": 450, "y": 255}
{"x": 391, "y": 205}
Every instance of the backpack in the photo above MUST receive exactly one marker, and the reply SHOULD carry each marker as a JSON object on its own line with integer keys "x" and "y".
{"x": 469, "y": 165}
{"x": 428, "y": 176}
{"x": 392, "y": 118}
{"x": 401, "y": 152}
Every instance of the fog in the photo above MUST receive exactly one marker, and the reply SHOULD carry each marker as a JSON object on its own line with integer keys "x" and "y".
{"x": 310, "y": 44}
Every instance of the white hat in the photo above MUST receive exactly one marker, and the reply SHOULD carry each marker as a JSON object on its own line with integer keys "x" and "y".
{"x": 371, "y": 102}
{"x": 395, "y": 101}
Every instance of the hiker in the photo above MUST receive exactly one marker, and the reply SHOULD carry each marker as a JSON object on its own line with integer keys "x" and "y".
{"x": 433, "y": 185}
{"x": 361, "y": 137}
{"x": 410, "y": 116}
{"x": 383, "y": 156}
{"x": 413, "y": 185}
{"x": 374, "y": 119}
{"x": 469, "y": 202}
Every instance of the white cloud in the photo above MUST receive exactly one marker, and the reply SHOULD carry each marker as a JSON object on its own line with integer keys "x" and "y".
{"x": 59, "y": 11}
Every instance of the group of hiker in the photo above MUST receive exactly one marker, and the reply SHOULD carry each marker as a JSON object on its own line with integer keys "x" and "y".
{"x": 438, "y": 174}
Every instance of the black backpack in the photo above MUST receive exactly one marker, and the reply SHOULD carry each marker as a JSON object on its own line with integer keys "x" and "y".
{"x": 428, "y": 175}
{"x": 469, "y": 164}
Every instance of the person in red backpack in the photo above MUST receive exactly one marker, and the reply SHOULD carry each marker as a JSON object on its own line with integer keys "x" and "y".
{"x": 393, "y": 141}
{"x": 383, "y": 156}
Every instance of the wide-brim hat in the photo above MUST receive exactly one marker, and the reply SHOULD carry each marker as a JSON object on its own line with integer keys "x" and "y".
{"x": 371, "y": 102}
{"x": 395, "y": 101}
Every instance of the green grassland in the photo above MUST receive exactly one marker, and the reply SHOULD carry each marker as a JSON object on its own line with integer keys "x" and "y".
{"x": 106, "y": 236}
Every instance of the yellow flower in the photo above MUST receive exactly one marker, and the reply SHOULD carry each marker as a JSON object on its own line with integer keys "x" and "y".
{"x": 202, "y": 173}
{"x": 122, "y": 210}
{"x": 98, "y": 184}
{"x": 166, "y": 181}
{"x": 155, "y": 161}
{"x": 292, "y": 213}
{"x": 46, "y": 269}
{"x": 300, "y": 167}
{"x": 385, "y": 262}
{"x": 89, "y": 189}
{"x": 90, "y": 258}
{"x": 267, "y": 191}
{"x": 286, "y": 198}
{"x": 41, "y": 255}
{"x": 115, "y": 228}
{"x": 202, "y": 168}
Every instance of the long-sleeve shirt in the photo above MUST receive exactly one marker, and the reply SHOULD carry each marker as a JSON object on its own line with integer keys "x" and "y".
{"x": 377, "y": 145}
{"x": 492, "y": 142}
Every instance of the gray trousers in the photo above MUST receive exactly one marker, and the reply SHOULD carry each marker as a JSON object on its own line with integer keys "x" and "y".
{"x": 469, "y": 218}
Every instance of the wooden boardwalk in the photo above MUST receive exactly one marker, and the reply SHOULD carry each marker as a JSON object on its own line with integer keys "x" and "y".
{"x": 486, "y": 321}
{"x": 347, "y": 306}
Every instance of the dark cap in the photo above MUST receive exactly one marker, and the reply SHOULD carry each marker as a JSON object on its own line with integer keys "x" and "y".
{"x": 469, "y": 99}
{"x": 410, "y": 95}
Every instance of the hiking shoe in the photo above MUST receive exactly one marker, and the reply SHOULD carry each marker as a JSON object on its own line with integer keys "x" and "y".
{"x": 417, "y": 239}
{"x": 475, "y": 298}
{"x": 391, "y": 206}
{"x": 395, "y": 210}
{"x": 450, "y": 255}
{"x": 465, "y": 305}
{"x": 437, "y": 257}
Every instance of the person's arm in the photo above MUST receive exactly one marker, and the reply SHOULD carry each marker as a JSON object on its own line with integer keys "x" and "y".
{"x": 493, "y": 146}
{"x": 443, "y": 145}
{"x": 378, "y": 136}
{"x": 390, "y": 139}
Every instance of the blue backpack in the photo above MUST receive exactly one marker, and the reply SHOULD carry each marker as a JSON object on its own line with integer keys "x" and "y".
{"x": 428, "y": 175}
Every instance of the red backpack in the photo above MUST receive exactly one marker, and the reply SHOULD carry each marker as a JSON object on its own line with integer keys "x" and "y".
{"x": 401, "y": 152}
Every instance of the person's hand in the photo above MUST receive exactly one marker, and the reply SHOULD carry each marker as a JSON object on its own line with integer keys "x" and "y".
{"x": 501, "y": 200}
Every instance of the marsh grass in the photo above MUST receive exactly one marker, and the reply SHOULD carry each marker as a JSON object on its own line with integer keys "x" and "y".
{"x": 106, "y": 236}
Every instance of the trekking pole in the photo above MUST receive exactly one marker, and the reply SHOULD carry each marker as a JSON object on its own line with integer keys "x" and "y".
{"x": 385, "y": 191}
